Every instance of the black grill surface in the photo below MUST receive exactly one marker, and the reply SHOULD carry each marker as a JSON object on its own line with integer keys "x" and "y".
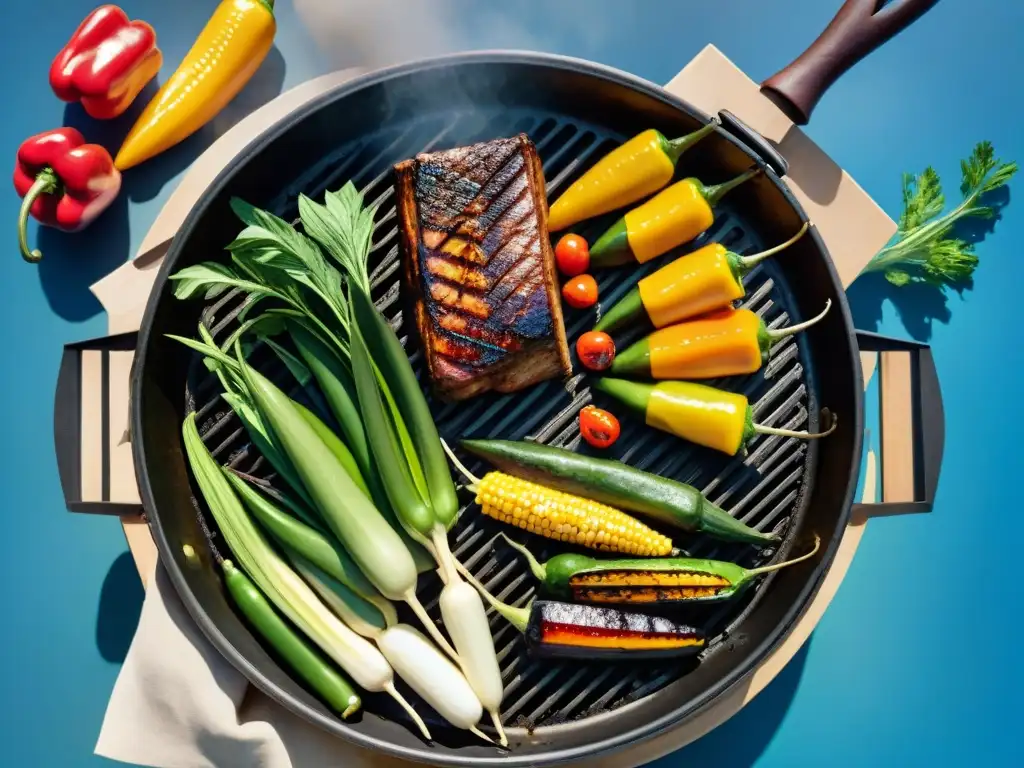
{"x": 765, "y": 488}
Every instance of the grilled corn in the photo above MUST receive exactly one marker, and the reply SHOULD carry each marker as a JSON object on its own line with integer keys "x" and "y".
{"x": 564, "y": 517}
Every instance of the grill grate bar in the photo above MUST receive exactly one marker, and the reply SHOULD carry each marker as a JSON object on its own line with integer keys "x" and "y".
{"x": 764, "y": 486}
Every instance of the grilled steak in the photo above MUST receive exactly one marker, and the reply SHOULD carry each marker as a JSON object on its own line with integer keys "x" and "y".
{"x": 479, "y": 268}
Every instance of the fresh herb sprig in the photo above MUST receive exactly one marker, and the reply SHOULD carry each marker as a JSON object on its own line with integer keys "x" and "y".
{"x": 925, "y": 249}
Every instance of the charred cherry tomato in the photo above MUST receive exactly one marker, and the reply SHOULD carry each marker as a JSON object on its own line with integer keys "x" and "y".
{"x": 596, "y": 350}
{"x": 598, "y": 427}
{"x": 580, "y": 292}
{"x": 572, "y": 254}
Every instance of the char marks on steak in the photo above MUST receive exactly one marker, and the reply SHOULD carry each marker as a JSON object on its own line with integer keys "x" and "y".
{"x": 479, "y": 267}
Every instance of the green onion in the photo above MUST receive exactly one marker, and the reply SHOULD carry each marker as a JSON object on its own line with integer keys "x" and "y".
{"x": 393, "y": 362}
{"x": 281, "y": 585}
{"x": 309, "y": 543}
{"x": 303, "y": 659}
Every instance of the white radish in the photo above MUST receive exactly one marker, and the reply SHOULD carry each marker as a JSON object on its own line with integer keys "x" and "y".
{"x": 465, "y": 618}
{"x": 416, "y": 660}
{"x": 430, "y": 673}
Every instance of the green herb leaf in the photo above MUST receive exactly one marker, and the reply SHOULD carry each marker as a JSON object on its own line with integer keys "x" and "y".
{"x": 897, "y": 277}
{"x": 983, "y": 173}
{"x": 344, "y": 228}
{"x": 211, "y": 276}
{"x": 923, "y": 250}
{"x": 922, "y": 199}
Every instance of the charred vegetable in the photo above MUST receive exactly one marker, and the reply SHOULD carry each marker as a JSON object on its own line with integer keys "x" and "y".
{"x": 696, "y": 412}
{"x": 660, "y": 580}
{"x": 726, "y": 343}
{"x": 567, "y": 630}
{"x": 710, "y": 278}
{"x": 612, "y": 482}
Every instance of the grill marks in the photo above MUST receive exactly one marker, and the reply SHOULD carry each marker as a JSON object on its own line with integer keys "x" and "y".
{"x": 637, "y": 586}
{"x": 479, "y": 266}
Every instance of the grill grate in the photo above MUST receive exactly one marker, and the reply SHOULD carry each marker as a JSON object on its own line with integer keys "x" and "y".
{"x": 764, "y": 489}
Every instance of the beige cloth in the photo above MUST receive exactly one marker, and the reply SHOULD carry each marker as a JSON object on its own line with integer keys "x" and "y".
{"x": 178, "y": 703}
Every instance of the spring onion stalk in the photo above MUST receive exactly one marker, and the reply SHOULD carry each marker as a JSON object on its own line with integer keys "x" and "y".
{"x": 462, "y": 610}
{"x": 238, "y": 399}
{"x": 362, "y": 530}
{"x": 410, "y": 653}
{"x": 303, "y": 659}
{"x": 309, "y": 543}
{"x": 279, "y": 583}
{"x": 295, "y": 508}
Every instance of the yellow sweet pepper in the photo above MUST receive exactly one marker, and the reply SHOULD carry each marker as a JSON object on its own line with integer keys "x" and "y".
{"x": 710, "y": 278}
{"x": 674, "y": 216}
{"x": 223, "y": 58}
{"x": 726, "y": 343}
{"x": 698, "y": 413}
{"x": 631, "y": 172}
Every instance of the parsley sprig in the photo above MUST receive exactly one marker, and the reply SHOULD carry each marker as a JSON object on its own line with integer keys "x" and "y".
{"x": 925, "y": 249}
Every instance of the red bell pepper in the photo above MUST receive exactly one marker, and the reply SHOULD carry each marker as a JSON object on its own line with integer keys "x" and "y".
{"x": 106, "y": 62}
{"x": 65, "y": 183}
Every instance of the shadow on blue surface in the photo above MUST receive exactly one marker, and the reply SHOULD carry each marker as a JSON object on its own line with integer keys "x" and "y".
{"x": 741, "y": 740}
{"x": 119, "y": 609}
{"x": 920, "y": 305}
{"x": 74, "y": 261}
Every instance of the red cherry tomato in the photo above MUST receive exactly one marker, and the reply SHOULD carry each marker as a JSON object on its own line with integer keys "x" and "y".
{"x": 572, "y": 254}
{"x": 598, "y": 427}
{"x": 596, "y": 350}
{"x": 580, "y": 292}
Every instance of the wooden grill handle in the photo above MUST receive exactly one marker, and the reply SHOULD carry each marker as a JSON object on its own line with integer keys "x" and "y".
{"x": 860, "y": 27}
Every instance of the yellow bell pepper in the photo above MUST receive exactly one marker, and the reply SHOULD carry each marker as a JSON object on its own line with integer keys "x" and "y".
{"x": 631, "y": 172}
{"x": 674, "y": 216}
{"x": 708, "y": 279}
{"x": 225, "y": 56}
{"x": 701, "y": 414}
{"x": 726, "y": 343}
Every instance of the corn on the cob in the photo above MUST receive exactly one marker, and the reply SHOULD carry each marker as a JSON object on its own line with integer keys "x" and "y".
{"x": 564, "y": 517}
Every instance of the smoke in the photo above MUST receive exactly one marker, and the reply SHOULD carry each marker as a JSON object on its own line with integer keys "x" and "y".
{"x": 377, "y": 33}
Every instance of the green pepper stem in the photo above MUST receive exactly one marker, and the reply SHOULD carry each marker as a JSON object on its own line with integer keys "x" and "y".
{"x": 45, "y": 184}
{"x": 749, "y": 262}
{"x": 675, "y": 147}
{"x": 761, "y": 429}
{"x": 714, "y": 194}
{"x": 539, "y": 571}
{"x": 781, "y": 333}
{"x": 474, "y": 481}
{"x": 517, "y": 617}
{"x": 794, "y": 561}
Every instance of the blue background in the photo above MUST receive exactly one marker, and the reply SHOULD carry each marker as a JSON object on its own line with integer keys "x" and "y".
{"x": 915, "y": 663}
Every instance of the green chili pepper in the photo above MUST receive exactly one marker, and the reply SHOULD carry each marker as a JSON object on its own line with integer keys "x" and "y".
{"x": 300, "y": 656}
{"x": 645, "y": 580}
{"x": 619, "y": 485}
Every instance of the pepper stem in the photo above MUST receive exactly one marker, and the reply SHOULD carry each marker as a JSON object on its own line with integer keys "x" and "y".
{"x": 517, "y": 617}
{"x": 782, "y": 333}
{"x": 474, "y": 481}
{"x": 716, "y": 192}
{"x": 794, "y": 561}
{"x": 45, "y": 184}
{"x": 748, "y": 262}
{"x": 539, "y": 571}
{"x": 761, "y": 429}
{"x": 675, "y": 147}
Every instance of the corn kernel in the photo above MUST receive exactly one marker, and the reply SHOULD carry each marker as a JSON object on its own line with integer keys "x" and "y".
{"x": 565, "y": 517}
